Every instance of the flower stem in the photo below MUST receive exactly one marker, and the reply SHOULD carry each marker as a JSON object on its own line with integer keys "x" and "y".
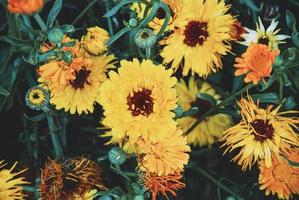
{"x": 110, "y": 27}
{"x": 148, "y": 52}
{"x": 54, "y": 136}
{"x": 214, "y": 110}
{"x": 281, "y": 89}
{"x": 40, "y": 22}
{"x": 216, "y": 182}
{"x": 86, "y": 9}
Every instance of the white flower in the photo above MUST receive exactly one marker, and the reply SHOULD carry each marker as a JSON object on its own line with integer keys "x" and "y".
{"x": 261, "y": 35}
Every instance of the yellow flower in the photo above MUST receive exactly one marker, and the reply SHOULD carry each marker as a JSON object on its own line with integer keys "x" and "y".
{"x": 10, "y": 188}
{"x": 281, "y": 179}
{"x": 70, "y": 179}
{"x": 256, "y": 63}
{"x": 166, "y": 156}
{"x": 162, "y": 184}
{"x": 213, "y": 127}
{"x": 202, "y": 29}
{"x": 138, "y": 101}
{"x": 59, "y": 73}
{"x": 95, "y": 40}
{"x": 80, "y": 94}
{"x": 261, "y": 134}
{"x": 156, "y": 24}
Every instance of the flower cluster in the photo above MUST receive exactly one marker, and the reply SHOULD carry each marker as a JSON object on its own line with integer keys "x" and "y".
{"x": 163, "y": 96}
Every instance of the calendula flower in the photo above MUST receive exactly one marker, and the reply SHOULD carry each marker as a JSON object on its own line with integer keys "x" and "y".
{"x": 264, "y": 36}
{"x": 70, "y": 179}
{"x": 156, "y": 24}
{"x": 10, "y": 186}
{"x": 162, "y": 184}
{"x": 81, "y": 93}
{"x": 256, "y": 63}
{"x": 95, "y": 40}
{"x": 261, "y": 134}
{"x": 213, "y": 127}
{"x": 237, "y": 30}
{"x": 37, "y": 98}
{"x": 60, "y": 73}
{"x": 166, "y": 156}
{"x": 138, "y": 101}
{"x": 202, "y": 28}
{"x": 282, "y": 178}
{"x": 28, "y": 7}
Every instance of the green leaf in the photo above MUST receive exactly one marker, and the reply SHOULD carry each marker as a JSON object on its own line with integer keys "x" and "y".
{"x": 267, "y": 98}
{"x": 250, "y": 4}
{"x": 118, "y": 35}
{"x": 289, "y": 103}
{"x": 290, "y": 55}
{"x": 16, "y": 41}
{"x": 207, "y": 97}
{"x": 167, "y": 18}
{"x": 116, "y": 8}
{"x": 67, "y": 28}
{"x": 151, "y": 15}
{"x": 237, "y": 83}
{"x": 53, "y": 13}
{"x": 291, "y": 20}
{"x": 295, "y": 38}
{"x": 285, "y": 80}
{"x": 4, "y": 91}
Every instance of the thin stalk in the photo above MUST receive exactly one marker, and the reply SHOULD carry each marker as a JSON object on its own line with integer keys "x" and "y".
{"x": 40, "y": 22}
{"x": 281, "y": 89}
{"x": 217, "y": 107}
{"x": 216, "y": 182}
{"x": 83, "y": 12}
{"x": 110, "y": 27}
{"x": 54, "y": 136}
{"x": 148, "y": 52}
{"x": 27, "y": 21}
{"x": 27, "y": 188}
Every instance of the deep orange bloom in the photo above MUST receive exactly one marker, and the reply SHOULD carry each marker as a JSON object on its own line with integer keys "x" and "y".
{"x": 282, "y": 178}
{"x": 69, "y": 179}
{"x": 162, "y": 184}
{"x": 256, "y": 63}
{"x": 25, "y": 6}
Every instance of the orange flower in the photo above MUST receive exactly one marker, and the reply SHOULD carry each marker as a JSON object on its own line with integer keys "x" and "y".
{"x": 69, "y": 178}
{"x": 25, "y": 6}
{"x": 167, "y": 156}
{"x": 256, "y": 63}
{"x": 162, "y": 184}
{"x": 282, "y": 178}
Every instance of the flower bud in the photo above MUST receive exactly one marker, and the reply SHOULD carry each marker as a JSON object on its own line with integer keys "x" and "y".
{"x": 117, "y": 156}
{"x": 37, "y": 98}
{"x": 145, "y": 38}
{"x": 55, "y": 35}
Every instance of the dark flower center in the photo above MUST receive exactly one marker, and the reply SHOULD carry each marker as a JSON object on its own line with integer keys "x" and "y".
{"x": 141, "y": 103}
{"x": 35, "y": 96}
{"x": 161, "y": 14}
{"x": 263, "y": 40}
{"x": 203, "y": 106}
{"x": 145, "y": 35}
{"x": 196, "y": 33}
{"x": 262, "y": 130}
{"x": 81, "y": 78}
